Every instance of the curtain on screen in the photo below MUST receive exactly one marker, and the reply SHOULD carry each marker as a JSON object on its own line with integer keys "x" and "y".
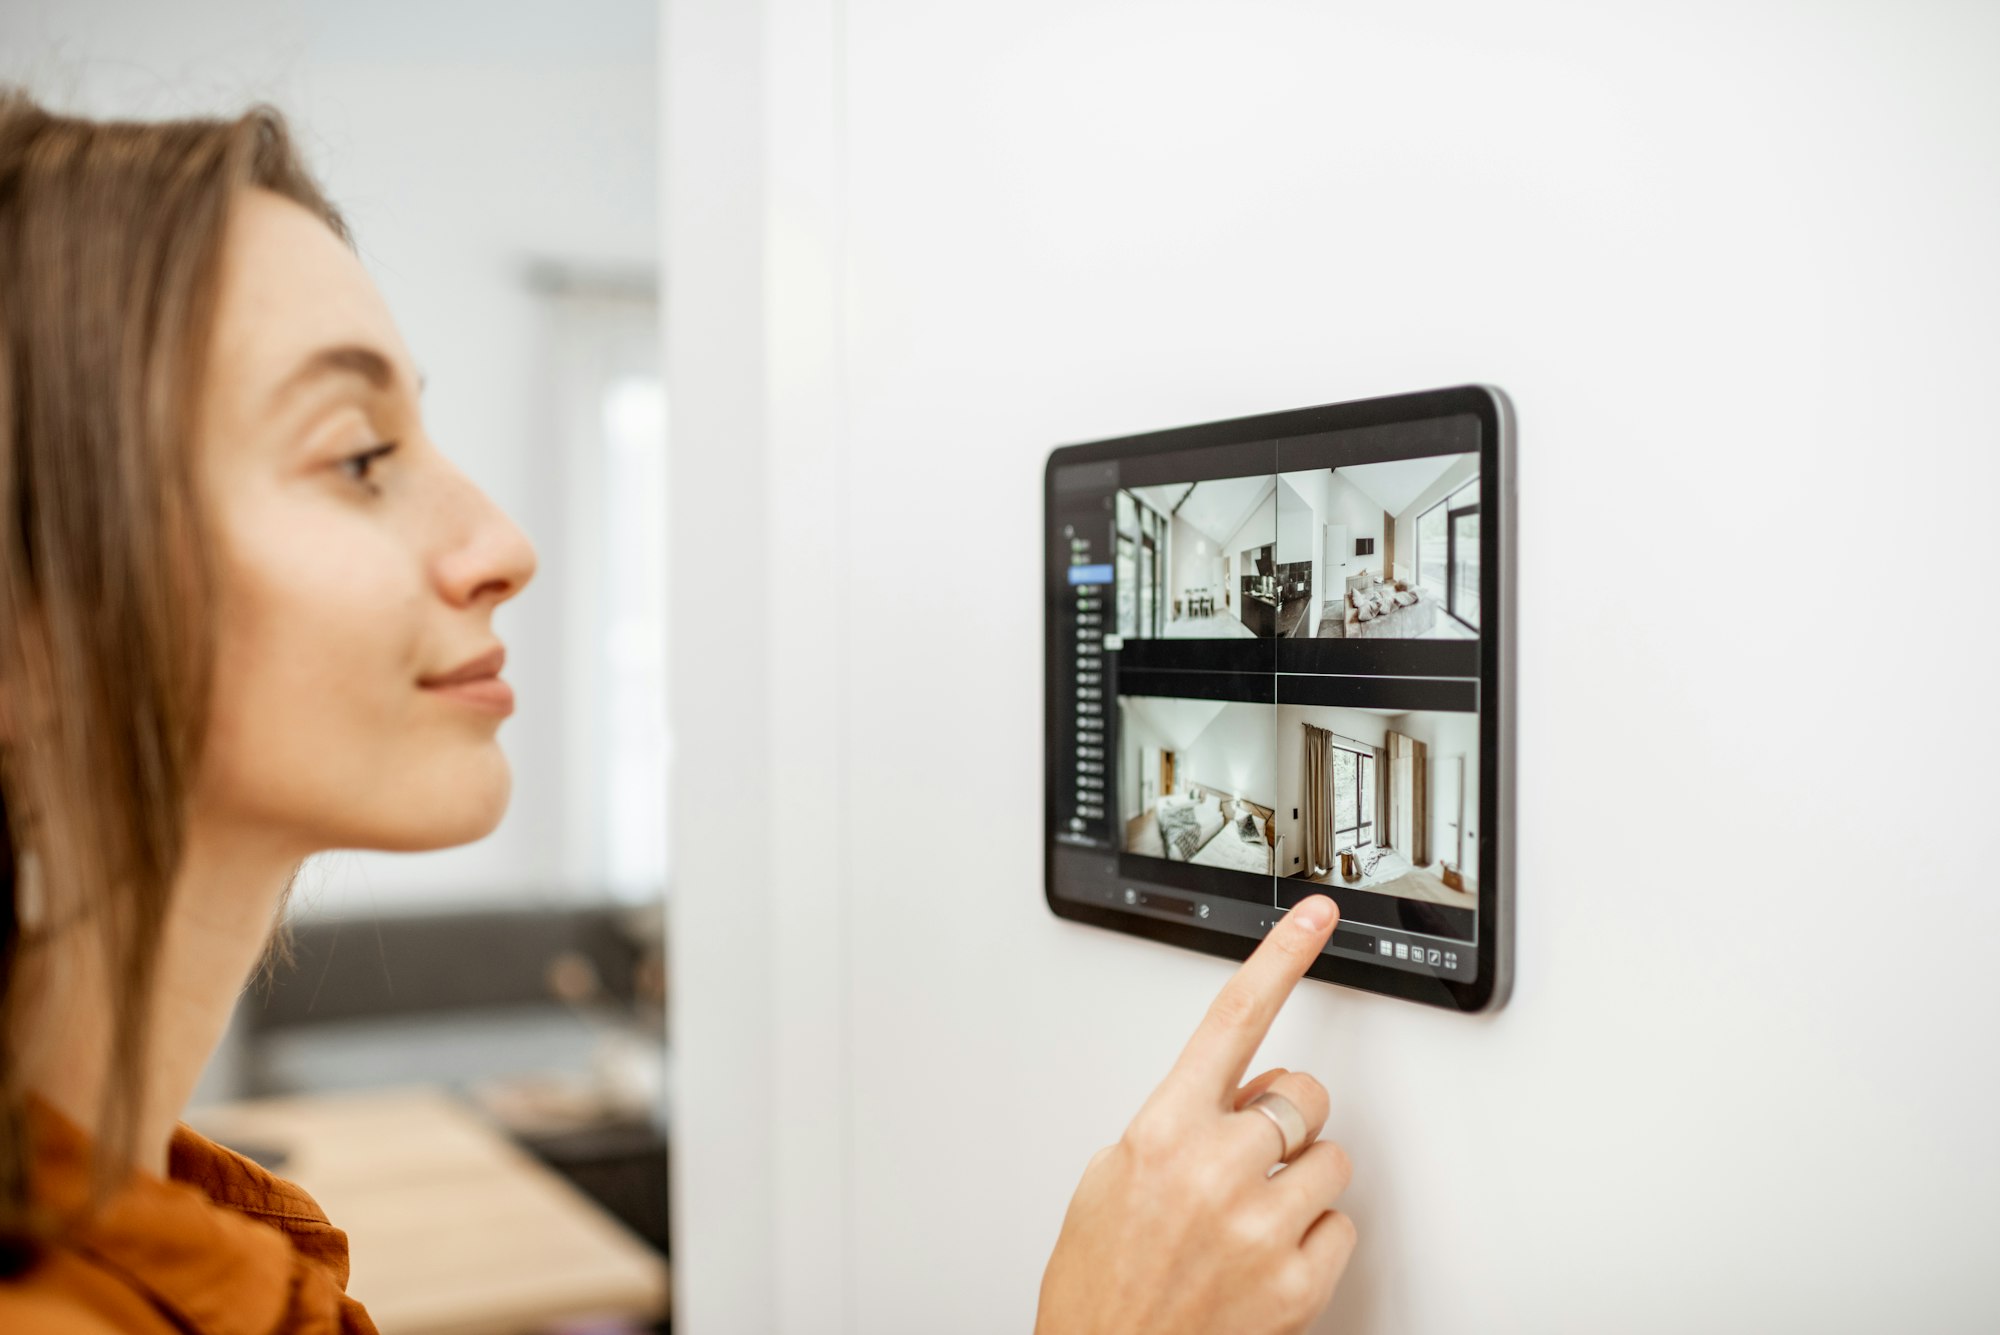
{"x": 1317, "y": 807}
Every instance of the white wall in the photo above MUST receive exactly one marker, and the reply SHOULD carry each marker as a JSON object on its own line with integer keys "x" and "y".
{"x": 1259, "y": 530}
{"x": 1308, "y": 533}
{"x": 1149, "y": 725}
{"x": 1234, "y": 754}
{"x": 464, "y": 141}
{"x": 1138, "y": 741}
{"x": 1294, "y": 525}
{"x": 1216, "y": 745}
{"x": 1448, "y": 736}
{"x": 1349, "y": 506}
{"x": 1733, "y": 263}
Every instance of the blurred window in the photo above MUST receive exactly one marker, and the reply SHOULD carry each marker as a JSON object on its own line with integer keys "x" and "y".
{"x": 611, "y": 421}
{"x": 634, "y": 663}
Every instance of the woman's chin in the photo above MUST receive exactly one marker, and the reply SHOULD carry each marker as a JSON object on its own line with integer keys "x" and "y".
{"x": 447, "y": 814}
{"x": 429, "y": 837}
{"x": 459, "y": 833}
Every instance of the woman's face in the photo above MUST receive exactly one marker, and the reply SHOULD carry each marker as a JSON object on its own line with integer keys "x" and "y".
{"x": 357, "y": 694}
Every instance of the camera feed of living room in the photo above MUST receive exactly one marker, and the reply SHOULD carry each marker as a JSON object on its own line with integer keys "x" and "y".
{"x": 1381, "y": 551}
{"x": 1199, "y": 561}
{"x": 1196, "y": 781}
{"x": 1379, "y": 800}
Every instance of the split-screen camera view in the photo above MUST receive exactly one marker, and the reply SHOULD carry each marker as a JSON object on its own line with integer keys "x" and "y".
{"x": 1374, "y": 551}
{"x": 1373, "y": 799}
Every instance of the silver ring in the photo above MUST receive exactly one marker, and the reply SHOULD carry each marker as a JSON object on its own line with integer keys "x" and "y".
{"x": 1284, "y": 1115}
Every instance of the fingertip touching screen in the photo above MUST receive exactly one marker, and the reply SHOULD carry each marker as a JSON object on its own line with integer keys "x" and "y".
{"x": 1278, "y": 663}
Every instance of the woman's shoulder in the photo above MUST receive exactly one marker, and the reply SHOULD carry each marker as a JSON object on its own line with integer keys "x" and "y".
{"x": 219, "y": 1243}
{"x": 62, "y": 1293}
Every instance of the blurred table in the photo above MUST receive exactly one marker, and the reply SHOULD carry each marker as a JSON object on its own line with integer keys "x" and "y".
{"x": 453, "y": 1230}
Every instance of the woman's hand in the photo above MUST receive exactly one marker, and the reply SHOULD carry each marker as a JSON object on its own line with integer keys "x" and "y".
{"x": 1176, "y": 1229}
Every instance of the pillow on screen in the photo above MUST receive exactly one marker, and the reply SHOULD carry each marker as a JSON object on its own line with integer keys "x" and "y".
{"x": 1180, "y": 830}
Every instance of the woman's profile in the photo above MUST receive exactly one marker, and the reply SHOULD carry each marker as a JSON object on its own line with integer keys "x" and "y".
{"x": 246, "y": 616}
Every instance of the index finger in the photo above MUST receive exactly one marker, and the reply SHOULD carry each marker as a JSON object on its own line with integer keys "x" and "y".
{"x": 1214, "y": 1060}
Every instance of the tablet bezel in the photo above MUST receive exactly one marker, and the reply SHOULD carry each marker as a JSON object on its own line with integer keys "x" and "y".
{"x": 1494, "y": 947}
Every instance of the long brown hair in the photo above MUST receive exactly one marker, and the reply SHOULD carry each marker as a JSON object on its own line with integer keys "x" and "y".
{"x": 111, "y": 242}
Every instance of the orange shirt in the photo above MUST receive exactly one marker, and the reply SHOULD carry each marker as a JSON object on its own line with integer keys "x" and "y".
{"x": 220, "y": 1247}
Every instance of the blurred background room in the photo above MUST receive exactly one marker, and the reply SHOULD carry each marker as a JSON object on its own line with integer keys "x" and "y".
{"x": 477, "y": 1035}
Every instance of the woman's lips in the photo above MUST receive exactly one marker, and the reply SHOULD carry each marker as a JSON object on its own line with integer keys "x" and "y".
{"x": 487, "y": 693}
{"x": 477, "y": 683}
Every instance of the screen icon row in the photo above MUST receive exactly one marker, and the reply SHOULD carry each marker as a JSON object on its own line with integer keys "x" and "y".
{"x": 1433, "y": 956}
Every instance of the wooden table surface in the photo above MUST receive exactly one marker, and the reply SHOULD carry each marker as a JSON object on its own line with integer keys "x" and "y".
{"x": 452, "y": 1228}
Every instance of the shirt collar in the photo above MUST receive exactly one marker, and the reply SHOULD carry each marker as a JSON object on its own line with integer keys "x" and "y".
{"x": 224, "y": 1246}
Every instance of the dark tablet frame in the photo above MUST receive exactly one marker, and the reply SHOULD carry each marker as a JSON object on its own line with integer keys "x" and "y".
{"x": 1494, "y": 946}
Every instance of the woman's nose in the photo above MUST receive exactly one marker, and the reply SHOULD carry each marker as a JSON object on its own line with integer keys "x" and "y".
{"x": 493, "y": 563}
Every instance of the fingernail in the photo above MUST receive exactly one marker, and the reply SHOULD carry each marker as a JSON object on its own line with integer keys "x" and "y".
{"x": 1311, "y": 913}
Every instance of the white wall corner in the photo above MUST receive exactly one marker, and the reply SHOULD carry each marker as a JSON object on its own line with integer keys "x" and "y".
{"x": 760, "y": 813}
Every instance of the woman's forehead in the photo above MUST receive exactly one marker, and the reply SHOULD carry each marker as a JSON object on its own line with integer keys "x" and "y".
{"x": 291, "y": 293}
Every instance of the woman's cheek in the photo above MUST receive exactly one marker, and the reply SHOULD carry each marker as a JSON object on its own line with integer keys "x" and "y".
{"x": 316, "y": 662}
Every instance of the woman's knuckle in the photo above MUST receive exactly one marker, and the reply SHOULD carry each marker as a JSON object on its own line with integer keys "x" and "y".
{"x": 1296, "y": 1287}
{"x": 1345, "y": 1231}
{"x": 1300, "y": 1195}
{"x": 1296, "y": 946}
{"x": 1342, "y": 1166}
{"x": 1204, "y": 1186}
{"x": 1236, "y": 1005}
{"x": 1244, "y": 1230}
{"x": 1147, "y": 1140}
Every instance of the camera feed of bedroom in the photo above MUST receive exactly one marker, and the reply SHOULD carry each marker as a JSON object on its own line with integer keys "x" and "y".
{"x": 1379, "y": 800}
{"x": 1197, "y": 780}
{"x": 1382, "y": 551}
{"x": 1199, "y": 561}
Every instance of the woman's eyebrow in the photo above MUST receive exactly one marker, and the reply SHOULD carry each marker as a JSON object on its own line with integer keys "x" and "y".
{"x": 341, "y": 359}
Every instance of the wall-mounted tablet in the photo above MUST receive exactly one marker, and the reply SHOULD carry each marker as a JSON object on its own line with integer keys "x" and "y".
{"x": 1279, "y": 663}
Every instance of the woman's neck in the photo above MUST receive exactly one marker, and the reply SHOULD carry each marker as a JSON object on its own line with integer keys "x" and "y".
{"x": 219, "y": 921}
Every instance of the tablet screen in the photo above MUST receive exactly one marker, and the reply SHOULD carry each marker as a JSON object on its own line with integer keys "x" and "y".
{"x": 1272, "y": 675}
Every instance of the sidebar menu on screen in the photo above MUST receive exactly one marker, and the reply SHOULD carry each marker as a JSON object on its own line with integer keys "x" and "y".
{"x": 1084, "y": 568}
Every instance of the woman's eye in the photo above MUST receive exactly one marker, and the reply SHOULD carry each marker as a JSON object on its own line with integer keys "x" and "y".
{"x": 360, "y": 467}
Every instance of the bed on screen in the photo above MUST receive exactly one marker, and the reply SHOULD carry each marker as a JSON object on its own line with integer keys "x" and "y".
{"x": 1210, "y": 829}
